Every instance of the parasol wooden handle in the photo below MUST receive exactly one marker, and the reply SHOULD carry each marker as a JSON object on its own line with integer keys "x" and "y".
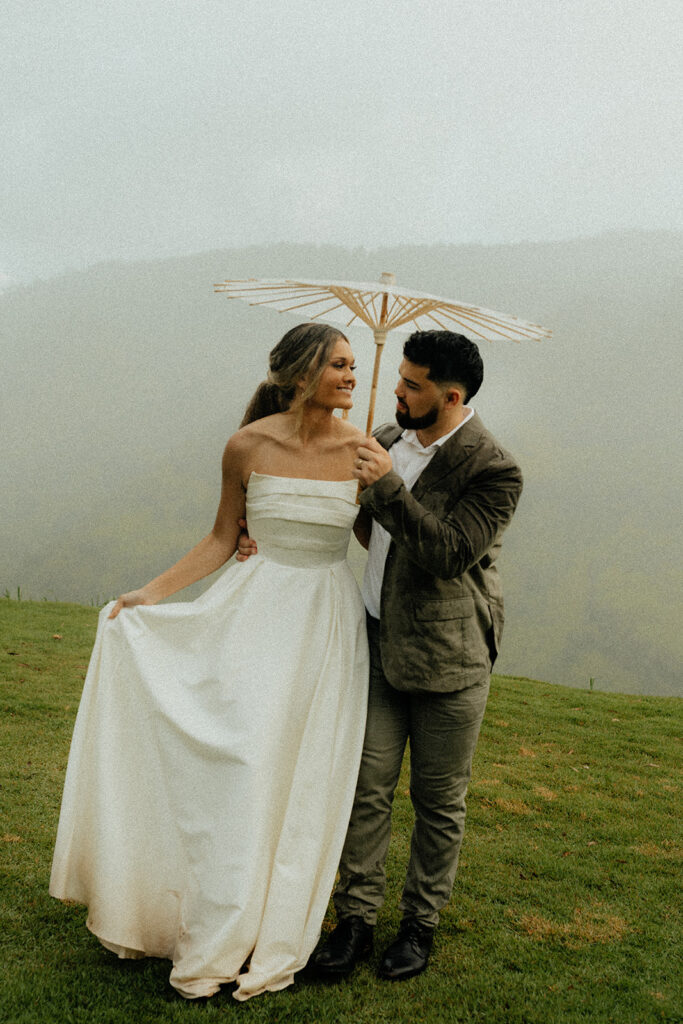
{"x": 380, "y": 338}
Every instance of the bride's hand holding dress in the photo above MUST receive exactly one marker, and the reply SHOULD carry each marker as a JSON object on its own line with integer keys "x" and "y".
{"x": 214, "y": 550}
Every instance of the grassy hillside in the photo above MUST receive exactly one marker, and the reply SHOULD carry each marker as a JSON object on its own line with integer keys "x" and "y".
{"x": 566, "y": 905}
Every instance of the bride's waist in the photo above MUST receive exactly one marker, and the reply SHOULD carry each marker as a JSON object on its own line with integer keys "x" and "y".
{"x": 299, "y": 557}
{"x": 300, "y": 544}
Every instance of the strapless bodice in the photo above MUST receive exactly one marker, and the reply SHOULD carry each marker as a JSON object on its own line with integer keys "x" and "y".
{"x": 298, "y": 522}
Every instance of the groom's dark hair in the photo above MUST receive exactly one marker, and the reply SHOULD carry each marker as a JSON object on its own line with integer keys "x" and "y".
{"x": 450, "y": 358}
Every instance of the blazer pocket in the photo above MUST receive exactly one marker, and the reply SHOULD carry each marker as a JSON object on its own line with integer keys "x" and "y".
{"x": 440, "y": 609}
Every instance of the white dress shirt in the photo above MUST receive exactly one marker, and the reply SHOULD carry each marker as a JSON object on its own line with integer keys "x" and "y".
{"x": 410, "y": 459}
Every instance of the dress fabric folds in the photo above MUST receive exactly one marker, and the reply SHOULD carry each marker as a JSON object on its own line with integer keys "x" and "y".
{"x": 216, "y": 751}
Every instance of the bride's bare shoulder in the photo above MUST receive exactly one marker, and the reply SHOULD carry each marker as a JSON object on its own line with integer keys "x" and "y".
{"x": 247, "y": 440}
{"x": 349, "y": 434}
{"x": 266, "y": 428}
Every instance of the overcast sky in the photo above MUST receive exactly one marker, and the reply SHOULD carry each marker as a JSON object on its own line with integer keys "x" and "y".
{"x": 152, "y": 128}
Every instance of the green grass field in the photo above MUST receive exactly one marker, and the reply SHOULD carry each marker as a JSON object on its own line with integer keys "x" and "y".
{"x": 566, "y": 906}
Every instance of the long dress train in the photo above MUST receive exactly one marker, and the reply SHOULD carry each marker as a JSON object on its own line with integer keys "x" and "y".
{"x": 215, "y": 755}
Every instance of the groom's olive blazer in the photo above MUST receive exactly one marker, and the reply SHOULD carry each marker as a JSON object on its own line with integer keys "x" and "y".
{"x": 441, "y": 613}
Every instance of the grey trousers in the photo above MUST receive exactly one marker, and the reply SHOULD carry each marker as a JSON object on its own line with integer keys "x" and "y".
{"x": 443, "y": 729}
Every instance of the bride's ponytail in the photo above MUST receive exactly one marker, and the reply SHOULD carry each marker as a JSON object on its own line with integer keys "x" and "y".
{"x": 266, "y": 400}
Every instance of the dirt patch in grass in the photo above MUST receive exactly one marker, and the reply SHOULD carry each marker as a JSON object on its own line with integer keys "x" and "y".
{"x": 590, "y": 925}
{"x": 546, "y": 793}
{"x": 669, "y": 850}
{"x": 512, "y": 806}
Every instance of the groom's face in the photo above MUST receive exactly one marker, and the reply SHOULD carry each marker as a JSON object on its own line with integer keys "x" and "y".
{"x": 419, "y": 400}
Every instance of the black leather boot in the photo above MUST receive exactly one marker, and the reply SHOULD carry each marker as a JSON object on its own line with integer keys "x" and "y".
{"x": 349, "y": 943}
{"x": 408, "y": 954}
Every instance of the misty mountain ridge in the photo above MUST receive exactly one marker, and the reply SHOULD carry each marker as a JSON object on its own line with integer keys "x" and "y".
{"x": 122, "y": 382}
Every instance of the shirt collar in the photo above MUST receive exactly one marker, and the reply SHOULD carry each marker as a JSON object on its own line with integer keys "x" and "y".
{"x": 411, "y": 438}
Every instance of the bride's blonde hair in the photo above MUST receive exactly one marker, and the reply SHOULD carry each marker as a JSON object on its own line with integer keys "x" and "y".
{"x": 301, "y": 354}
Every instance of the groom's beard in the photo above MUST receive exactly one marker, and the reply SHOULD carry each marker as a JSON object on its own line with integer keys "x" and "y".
{"x": 408, "y": 422}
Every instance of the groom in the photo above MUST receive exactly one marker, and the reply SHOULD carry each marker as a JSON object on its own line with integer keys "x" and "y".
{"x": 438, "y": 491}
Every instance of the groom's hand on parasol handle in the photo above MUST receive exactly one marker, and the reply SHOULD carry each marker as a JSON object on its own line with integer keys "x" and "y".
{"x": 245, "y": 545}
{"x": 371, "y": 462}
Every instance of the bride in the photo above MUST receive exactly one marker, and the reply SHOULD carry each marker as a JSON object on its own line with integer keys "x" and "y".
{"x": 215, "y": 753}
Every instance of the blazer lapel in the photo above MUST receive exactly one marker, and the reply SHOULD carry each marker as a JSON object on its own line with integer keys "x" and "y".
{"x": 449, "y": 456}
{"x": 388, "y": 434}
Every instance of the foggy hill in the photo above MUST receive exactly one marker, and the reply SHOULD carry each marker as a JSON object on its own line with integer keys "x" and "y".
{"x": 120, "y": 385}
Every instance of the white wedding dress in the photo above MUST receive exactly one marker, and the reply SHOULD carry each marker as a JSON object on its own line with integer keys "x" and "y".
{"x": 215, "y": 755}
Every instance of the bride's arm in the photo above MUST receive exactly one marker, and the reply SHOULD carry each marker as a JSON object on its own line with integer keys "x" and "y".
{"x": 214, "y": 550}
